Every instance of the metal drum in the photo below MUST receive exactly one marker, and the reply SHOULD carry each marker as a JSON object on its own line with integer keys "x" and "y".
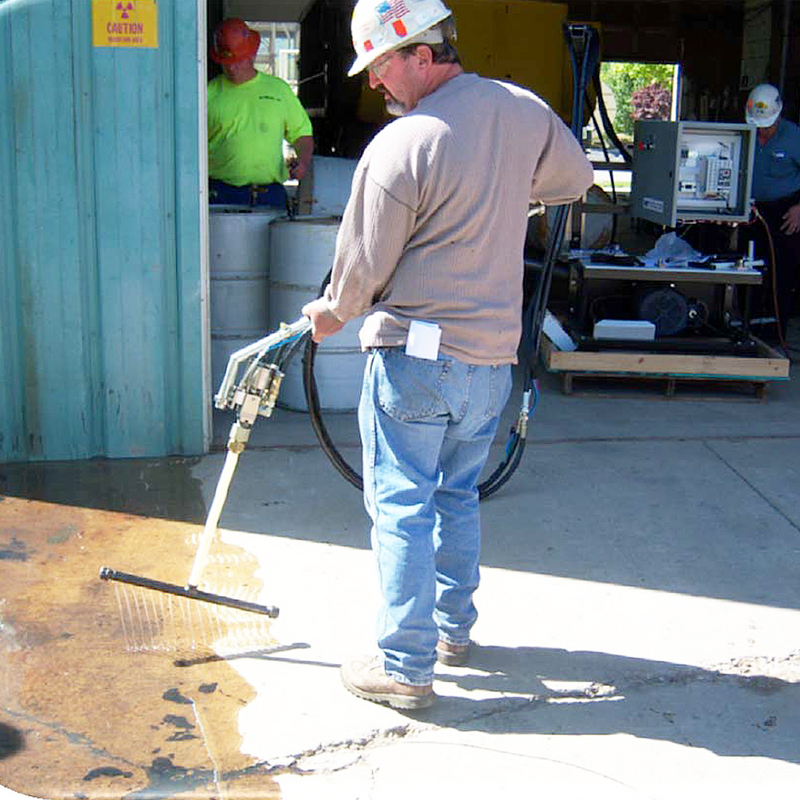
{"x": 238, "y": 243}
{"x": 301, "y": 253}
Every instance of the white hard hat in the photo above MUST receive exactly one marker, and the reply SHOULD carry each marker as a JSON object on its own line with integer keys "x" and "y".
{"x": 378, "y": 26}
{"x": 764, "y": 106}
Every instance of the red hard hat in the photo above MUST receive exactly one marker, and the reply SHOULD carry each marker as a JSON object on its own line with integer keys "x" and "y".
{"x": 234, "y": 41}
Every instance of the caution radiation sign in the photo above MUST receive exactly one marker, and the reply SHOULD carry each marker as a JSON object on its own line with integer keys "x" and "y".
{"x": 125, "y": 23}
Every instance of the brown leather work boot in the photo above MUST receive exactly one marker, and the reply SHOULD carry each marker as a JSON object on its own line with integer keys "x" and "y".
{"x": 367, "y": 679}
{"x": 452, "y": 655}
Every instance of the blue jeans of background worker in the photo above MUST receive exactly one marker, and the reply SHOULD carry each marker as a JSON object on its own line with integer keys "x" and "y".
{"x": 426, "y": 429}
{"x": 268, "y": 194}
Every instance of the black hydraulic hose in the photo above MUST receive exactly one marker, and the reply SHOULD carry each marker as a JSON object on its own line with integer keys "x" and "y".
{"x": 532, "y": 331}
{"x": 605, "y": 155}
{"x": 608, "y": 125}
{"x": 513, "y": 451}
{"x": 315, "y": 412}
{"x": 587, "y": 38}
{"x": 611, "y": 178}
{"x": 774, "y": 275}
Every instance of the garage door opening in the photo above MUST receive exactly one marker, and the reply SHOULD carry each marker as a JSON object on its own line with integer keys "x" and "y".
{"x": 631, "y": 91}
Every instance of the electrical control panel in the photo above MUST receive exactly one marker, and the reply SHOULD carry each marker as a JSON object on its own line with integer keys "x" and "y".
{"x": 692, "y": 171}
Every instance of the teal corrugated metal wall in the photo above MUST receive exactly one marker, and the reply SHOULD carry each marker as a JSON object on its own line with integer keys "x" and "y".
{"x": 102, "y": 289}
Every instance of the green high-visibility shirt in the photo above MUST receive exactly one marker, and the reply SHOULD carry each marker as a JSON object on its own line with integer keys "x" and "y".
{"x": 247, "y": 123}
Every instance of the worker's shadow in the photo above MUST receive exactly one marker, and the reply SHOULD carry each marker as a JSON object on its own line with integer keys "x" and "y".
{"x": 558, "y": 692}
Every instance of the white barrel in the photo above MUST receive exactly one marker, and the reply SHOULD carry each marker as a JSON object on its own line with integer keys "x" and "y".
{"x": 301, "y": 253}
{"x": 238, "y": 243}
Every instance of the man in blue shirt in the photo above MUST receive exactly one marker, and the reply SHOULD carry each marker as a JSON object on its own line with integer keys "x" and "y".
{"x": 776, "y": 191}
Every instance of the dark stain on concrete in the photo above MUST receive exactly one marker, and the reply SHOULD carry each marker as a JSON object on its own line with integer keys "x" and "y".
{"x": 182, "y": 736}
{"x": 166, "y": 779}
{"x": 106, "y": 772}
{"x": 11, "y": 740}
{"x": 63, "y": 534}
{"x": 14, "y": 550}
{"x": 174, "y": 696}
{"x": 178, "y": 722}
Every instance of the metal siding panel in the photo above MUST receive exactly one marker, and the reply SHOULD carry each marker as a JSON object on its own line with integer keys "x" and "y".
{"x": 12, "y": 446}
{"x": 171, "y": 324}
{"x": 128, "y": 256}
{"x": 50, "y": 331}
{"x": 102, "y": 281}
{"x": 63, "y": 332}
{"x": 86, "y": 226}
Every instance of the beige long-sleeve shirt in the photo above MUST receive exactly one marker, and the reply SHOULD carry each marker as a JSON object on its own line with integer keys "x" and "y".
{"x": 435, "y": 225}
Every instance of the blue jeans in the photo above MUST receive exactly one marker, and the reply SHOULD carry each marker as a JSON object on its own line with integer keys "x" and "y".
{"x": 271, "y": 194}
{"x": 426, "y": 429}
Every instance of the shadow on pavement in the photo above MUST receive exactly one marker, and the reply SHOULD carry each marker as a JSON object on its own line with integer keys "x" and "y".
{"x": 555, "y": 692}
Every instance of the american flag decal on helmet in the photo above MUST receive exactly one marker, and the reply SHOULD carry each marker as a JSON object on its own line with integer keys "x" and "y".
{"x": 392, "y": 9}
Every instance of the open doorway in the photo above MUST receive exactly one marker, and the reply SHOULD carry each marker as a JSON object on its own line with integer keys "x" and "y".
{"x": 279, "y": 51}
{"x": 631, "y": 91}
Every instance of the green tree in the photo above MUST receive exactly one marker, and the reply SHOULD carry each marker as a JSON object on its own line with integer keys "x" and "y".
{"x": 624, "y": 78}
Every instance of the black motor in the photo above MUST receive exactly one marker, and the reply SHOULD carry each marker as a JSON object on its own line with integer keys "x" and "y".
{"x": 666, "y": 308}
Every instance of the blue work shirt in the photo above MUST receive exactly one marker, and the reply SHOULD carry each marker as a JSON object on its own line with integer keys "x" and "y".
{"x": 776, "y": 166}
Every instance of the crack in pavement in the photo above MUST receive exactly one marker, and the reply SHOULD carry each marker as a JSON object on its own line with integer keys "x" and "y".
{"x": 739, "y": 474}
{"x": 752, "y": 673}
{"x": 80, "y": 739}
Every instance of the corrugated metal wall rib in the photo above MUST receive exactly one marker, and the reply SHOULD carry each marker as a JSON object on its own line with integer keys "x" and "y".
{"x": 191, "y": 205}
{"x": 11, "y": 393}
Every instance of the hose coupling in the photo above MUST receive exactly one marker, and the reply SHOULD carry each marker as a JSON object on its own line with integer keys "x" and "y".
{"x": 269, "y": 396}
{"x": 524, "y": 415}
{"x": 238, "y": 436}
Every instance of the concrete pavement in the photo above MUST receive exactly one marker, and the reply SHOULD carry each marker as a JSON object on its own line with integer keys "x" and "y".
{"x": 639, "y": 608}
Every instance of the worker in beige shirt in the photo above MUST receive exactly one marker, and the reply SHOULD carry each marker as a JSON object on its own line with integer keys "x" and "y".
{"x": 431, "y": 249}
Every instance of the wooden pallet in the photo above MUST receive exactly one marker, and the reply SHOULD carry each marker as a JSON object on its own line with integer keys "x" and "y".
{"x": 673, "y": 371}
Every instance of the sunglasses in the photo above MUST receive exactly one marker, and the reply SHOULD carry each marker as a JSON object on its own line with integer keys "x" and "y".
{"x": 379, "y": 65}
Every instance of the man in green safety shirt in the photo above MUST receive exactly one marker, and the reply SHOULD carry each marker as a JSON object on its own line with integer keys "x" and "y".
{"x": 249, "y": 116}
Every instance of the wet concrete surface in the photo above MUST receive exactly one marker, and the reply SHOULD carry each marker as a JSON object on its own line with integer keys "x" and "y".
{"x": 82, "y": 714}
{"x": 152, "y": 487}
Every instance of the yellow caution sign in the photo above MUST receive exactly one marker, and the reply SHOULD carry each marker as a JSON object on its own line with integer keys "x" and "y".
{"x": 125, "y": 23}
